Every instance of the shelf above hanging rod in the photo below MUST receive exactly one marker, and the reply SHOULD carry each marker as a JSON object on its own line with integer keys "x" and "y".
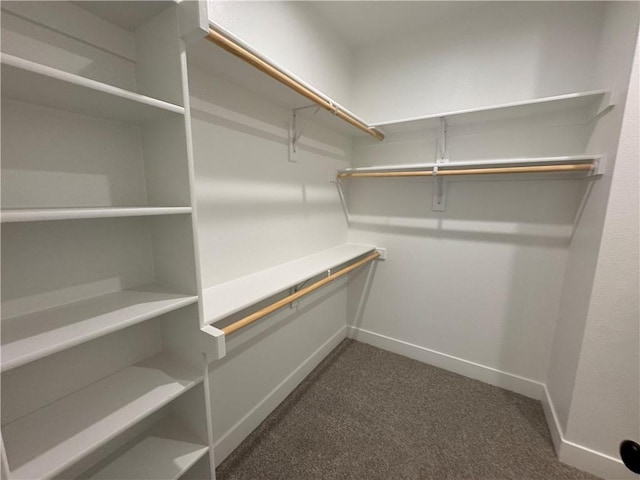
{"x": 592, "y": 102}
{"x": 249, "y": 319}
{"x": 228, "y": 42}
{"x": 580, "y": 163}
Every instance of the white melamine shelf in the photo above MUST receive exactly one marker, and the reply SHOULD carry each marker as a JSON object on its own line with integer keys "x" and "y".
{"x": 230, "y": 297}
{"x": 499, "y": 162}
{"x": 38, "y": 84}
{"x": 44, "y": 214}
{"x": 220, "y": 63}
{"x": 33, "y": 336}
{"x": 165, "y": 452}
{"x": 539, "y": 106}
{"x": 47, "y": 441}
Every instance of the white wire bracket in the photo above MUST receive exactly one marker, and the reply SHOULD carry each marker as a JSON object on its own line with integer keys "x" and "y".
{"x": 296, "y": 129}
{"x": 439, "y": 196}
{"x": 296, "y": 289}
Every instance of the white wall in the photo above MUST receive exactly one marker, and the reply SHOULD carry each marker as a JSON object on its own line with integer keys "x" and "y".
{"x": 497, "y": 53}
{"x": 256, "y": 209}
{"x": 480, "y": 282}
{"x": 478, "y": 289}
{"x": 594, "y": 376}
{"x": 292, "y": 37}
{"x": 620, "y": 22}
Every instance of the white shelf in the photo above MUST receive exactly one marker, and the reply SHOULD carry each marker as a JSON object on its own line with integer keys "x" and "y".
{"x": 539, "y": 106}
{"x": 45, "y": 442}
{"x": 499, "y": 162}
{"x": 230, "y": 297}
{"x": 220, "y": 63}
{"x": 31, "y": 82}
{"x": 164, "y": 453}
{"x": 33, "y": 336}
{"x": 46, "y": 214}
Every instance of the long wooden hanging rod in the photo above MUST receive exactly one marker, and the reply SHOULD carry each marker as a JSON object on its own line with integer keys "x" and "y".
{"x": 576, "y": 167}
{"x": 254, "y": 60}
{"x": 235, "y": 326}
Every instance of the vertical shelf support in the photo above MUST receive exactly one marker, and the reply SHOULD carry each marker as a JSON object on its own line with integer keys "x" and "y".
{"x": 296, "y": 131}
{"x": 439, "y": 197}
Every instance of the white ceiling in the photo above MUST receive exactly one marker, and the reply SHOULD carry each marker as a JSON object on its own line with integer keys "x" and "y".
{"x": 362, "y": 23}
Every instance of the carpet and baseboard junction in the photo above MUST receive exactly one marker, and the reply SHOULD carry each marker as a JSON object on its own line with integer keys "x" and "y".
{"x": 366, "y": 413}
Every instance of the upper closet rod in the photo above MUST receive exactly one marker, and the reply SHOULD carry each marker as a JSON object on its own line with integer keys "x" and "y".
{"x": 232, "y": 45}
{"x": 229, "y": 329}
{"x": 575, "y": 167}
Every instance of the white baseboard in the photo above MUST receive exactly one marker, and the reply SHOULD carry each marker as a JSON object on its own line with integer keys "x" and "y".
{"x": 524, "y": 386}
{"x": 579, "y": 456}
{"x": 238, "y": 432}
{"x": 568, "y": 452}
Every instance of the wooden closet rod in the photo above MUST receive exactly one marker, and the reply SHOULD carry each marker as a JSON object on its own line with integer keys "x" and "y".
{"x": 473, "y": 171}
{"x": 252, "y": 59}
{"x": 235, "y": 326}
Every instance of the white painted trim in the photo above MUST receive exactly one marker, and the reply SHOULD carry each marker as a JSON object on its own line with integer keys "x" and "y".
{"x": 553, "y": 421}
{"x": 579, "y": 456}
{"x": 524, "y": 386}
{"x": 238, "y": 432}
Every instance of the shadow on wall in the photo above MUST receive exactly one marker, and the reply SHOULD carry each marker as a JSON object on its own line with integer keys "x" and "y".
{"x": 481, "y": 281}
{"x": 253, "y": 334}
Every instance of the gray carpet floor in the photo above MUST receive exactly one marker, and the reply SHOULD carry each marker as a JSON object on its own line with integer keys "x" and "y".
{"x": 365, "y": 413}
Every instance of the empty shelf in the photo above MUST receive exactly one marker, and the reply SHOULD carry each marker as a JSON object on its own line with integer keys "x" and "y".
{"x": 165, "y": 452}
{"x": 230, "y": 297}
{"x": 591, "y": 101}
{"x": 222, "y": 64}
{"x": 29, "y": 337}
{"x": 44, "y": 443}
{"x": 41, "y": 85}
{"x": 45, "y": 214}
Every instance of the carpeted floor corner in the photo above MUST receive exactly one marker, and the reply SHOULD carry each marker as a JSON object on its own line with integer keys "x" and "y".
{"x": 365, "y": 413}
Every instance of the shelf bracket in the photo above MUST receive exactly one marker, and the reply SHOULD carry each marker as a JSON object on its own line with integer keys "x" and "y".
{"x": 295, "y": 289}
{"x": 343, "y": 200}
{"x": 439, "y": 196}
{"x": 296, "y": 130}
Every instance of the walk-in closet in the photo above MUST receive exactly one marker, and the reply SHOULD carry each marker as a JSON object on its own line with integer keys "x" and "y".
{"x": 320, "y": 240}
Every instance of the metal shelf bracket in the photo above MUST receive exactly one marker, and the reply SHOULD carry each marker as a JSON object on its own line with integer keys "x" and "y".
{"x": 439, "y": 196}
{"x": 296, "y": 129}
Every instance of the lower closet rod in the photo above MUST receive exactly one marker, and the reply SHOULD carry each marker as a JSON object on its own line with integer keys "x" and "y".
{"x": 229, "y": 329}
{"x": 473, "y": 171}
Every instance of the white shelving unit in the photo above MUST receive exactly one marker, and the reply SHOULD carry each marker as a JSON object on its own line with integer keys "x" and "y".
{"x": 44, "y": 443}
{"x": 169, "y": 450}
{"x": 97, "y": 244}
{"x": 223, "y": 64}
{"x": 591, "y": 102}
{"x": 496, "y": 124}
{"x": 230, "y": 297}
{"x": 27, "y": 338}
{"x": 27, "y": 81}
{"x": 47, "y": 214}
